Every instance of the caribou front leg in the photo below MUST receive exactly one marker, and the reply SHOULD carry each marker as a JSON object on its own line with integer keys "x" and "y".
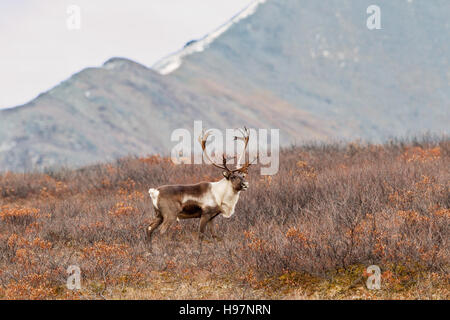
{"x": 212, "y": 228}
{"x": 205, "y": 219}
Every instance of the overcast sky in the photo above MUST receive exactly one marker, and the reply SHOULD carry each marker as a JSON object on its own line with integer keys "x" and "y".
{"x": 37, "y": 49}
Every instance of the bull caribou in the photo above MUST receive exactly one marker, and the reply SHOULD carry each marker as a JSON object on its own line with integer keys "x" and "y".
{"x": 204, "y": 200}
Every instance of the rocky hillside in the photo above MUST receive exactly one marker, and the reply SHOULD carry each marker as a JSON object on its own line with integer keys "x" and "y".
{"x": 310, "y": 68}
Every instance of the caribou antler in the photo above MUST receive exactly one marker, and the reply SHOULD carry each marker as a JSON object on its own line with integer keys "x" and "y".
{"x": 245, "y": 137}
{"x": 202, "y": 139}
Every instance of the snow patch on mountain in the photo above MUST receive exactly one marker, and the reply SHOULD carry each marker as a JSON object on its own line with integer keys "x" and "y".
{"x": 174, "y": 61}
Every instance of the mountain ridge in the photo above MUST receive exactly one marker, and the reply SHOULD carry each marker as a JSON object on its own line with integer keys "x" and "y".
{"x": 333, "y": 80}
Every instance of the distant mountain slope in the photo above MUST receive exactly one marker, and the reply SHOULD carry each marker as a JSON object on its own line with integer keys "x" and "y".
{"x": 310, "y": 68}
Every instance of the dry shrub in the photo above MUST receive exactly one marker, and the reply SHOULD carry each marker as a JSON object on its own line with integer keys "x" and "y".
{"x": 330, "y": 211}
{"x": 18, "y": 215}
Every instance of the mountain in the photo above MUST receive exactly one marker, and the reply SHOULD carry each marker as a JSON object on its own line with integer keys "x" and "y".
{"x": 311, "y": 68}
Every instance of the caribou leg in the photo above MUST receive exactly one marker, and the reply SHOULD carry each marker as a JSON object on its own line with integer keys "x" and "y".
{"x": 206, "y": 218}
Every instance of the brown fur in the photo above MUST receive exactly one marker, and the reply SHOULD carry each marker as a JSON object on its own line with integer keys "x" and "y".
{"x": 177, "y": 191}
{"x": 171, "y": 200}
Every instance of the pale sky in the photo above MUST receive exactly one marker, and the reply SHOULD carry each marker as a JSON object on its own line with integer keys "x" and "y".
{"x": 37, "y": 49}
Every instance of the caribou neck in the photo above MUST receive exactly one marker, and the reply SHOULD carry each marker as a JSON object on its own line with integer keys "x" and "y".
{"x": 225, "y": 196}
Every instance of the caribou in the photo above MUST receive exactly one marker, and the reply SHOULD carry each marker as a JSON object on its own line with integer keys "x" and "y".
{"x": 204, "y": 200}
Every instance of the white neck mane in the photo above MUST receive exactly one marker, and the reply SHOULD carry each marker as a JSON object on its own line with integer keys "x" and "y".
{"x": 225, "y": 196}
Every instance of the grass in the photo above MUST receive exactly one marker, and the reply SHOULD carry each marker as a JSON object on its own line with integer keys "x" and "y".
{"x": 308, "y": 232}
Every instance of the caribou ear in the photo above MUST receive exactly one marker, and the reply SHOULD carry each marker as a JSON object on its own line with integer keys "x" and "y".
{"x": 226, "y": 174}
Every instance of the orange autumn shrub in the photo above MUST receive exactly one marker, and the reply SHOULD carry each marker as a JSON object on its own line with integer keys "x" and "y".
{"x": 329, "y": 208}
{"x": 18, "y": 215}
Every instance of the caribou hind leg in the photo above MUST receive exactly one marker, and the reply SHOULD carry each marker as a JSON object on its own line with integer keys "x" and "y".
{"x": 156, "y": 222}
{"x": 169, "y": 212}
{"x": 166, "y": 214}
